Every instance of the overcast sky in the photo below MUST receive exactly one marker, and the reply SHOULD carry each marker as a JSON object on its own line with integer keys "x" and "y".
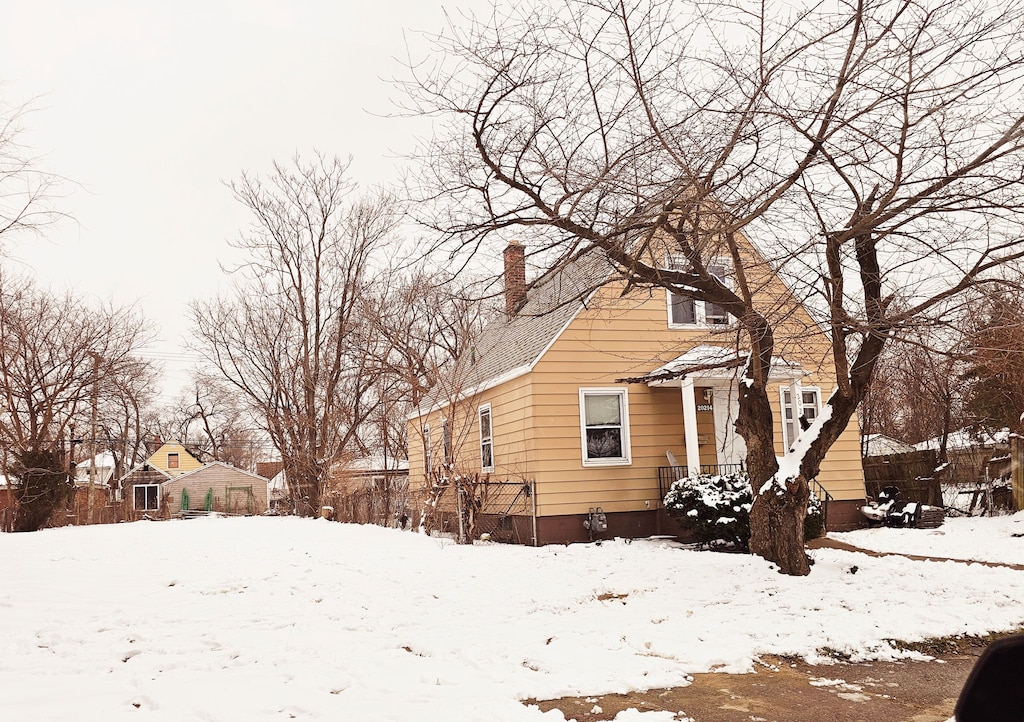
{"x": 148, "y": 107}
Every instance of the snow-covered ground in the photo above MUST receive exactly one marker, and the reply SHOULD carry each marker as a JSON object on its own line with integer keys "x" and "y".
{"x": 285, "y": 618}
{"x": 988, "y": 539}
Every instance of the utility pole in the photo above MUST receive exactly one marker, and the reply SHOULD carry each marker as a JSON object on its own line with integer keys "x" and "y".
{"x": 92, "y": 435}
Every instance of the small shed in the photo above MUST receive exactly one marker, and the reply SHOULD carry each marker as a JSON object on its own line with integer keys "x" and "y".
{"x": 216, "y": 487}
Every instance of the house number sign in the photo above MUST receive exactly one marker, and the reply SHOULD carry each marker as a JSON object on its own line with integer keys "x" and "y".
{"x": 705, "y": 407}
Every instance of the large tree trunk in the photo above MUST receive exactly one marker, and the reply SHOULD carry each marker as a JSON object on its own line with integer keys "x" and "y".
{"x": 777, "y": 515}
{"x": 777, "y": 525}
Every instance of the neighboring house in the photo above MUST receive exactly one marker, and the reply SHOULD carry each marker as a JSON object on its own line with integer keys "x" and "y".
{"x": 173, "y": 459}
{"x": 99, "y": 470}
{"x": 370, "y": 490}
{"x": 216, "y": 487}
{"x": 973, "y": 455}
{"x": 882, "y": 445}
{"x": 277, "y": 492}
{"x": 587, "y": 400}
{"x": 369, "y": 473}
{"x": 277, "y": 486}
{"x": 375, "y": 471}
{"x": 141, "y": 488}
{"x": 8, "y": 504}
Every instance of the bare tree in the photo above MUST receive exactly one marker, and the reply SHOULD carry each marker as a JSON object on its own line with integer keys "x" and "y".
{"x": 923, "y": 393}
{"x": 291, "y": 341}
{"x": 422, "y": 322}
{"x": 869, "y": 152}
{"x": 54, "y": 353}
{"x": 995, "y": 358}
{"x": 26, "y": 190}
{"x": 210, "y": 420}
{"x": 126, "y": 400}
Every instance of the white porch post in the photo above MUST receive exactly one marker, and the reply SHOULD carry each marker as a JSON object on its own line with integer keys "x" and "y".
{"x": 796, "y": 396}
{"x": 690, "y": 426}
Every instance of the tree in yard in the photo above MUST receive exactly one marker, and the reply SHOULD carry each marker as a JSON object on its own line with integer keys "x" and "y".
{"x": 924, "y": 392}
{"x": 55, "y": 352}
{"x": 291, "y": 340}
{"x": 210, "y": 420}
{"x": 870, "y": 153}
{"x": 995, "y": 359}
{"x": 125, "y": 404}
{"x": 25, "y": 189}
{"x": 425, "y": 323}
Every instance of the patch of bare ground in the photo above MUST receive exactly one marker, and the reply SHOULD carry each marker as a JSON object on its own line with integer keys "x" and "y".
{"x": 790, "y": 690}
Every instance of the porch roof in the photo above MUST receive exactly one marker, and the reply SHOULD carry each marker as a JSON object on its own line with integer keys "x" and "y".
{"x": 713, "y": 363}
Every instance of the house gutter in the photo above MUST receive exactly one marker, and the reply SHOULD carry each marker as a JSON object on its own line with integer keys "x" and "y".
{"x": 533, "y": 487}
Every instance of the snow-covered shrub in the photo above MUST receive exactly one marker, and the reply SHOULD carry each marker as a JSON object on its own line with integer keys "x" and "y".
{"x": 814, "y": 522}
{"x": 717, "y": 508}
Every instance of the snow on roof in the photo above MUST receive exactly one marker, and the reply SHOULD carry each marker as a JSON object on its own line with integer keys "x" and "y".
{"x": 707, "y": 361}
{"x": 968, "y": 438}
{"x": 378, "y": 463}
{"x": 882, "y": 445}
{"x": 103, "y": 460}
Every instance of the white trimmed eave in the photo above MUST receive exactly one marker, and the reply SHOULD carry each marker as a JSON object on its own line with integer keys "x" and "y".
{"x": 501, "y": 378}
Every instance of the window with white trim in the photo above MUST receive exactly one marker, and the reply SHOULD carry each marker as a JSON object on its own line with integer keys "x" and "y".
{"x": 486, "y": 438}
{"x": 147, "y": 497}
{"x": 604, "y": 426}
{"x": 809, "y": 408}
{"x": 684, "y": 311}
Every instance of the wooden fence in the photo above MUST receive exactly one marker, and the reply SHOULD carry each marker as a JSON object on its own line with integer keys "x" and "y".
{"x": 913, "y": 473}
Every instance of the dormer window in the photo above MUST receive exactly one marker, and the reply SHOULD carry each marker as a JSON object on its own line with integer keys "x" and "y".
{"x": 172, "y": 461}
{"x": 684, "y": 311}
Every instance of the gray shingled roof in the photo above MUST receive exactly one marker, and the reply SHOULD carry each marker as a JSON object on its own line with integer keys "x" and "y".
{"x": 513, "y": 343}
{"x": 550, "y": 304}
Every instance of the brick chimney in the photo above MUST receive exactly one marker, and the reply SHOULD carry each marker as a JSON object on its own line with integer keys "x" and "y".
{"x": 515, "y": 277}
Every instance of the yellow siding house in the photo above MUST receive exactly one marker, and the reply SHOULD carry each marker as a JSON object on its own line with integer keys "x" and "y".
{"x": 585, "y": 401}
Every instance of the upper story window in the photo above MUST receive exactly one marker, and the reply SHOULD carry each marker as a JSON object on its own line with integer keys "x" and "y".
{"x": 809, "y": 408}
{"x": 486, "y": 438}
{"x": 604, "y": 426}
{"x": 683, "y": 311}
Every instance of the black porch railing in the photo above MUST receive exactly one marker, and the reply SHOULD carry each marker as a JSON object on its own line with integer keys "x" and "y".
{"x": 817, "y": 490}
{"x": 669, "y": 474}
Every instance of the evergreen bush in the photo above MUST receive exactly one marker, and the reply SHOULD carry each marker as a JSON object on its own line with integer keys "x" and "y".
{"x": 716, "y": 508}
